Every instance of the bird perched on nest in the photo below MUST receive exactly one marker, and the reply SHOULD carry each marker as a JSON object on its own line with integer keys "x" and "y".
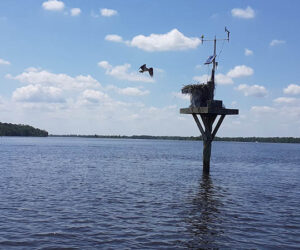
{"x": 144, "y": 68}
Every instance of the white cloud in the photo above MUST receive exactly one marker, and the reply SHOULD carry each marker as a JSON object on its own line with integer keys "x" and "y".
{"x": 252, "y": 90}
{"x": 75, "y": 12}
{"x": 292, "y": 89}
{"x": 248, "y": 52}
{"x": 158, "y": 70}
{"x": 53, "y": 5}
{"x": 243, "y": 13}
{"x": 286, "y": 100}
{"x": 133, "y": 91}
{"x": 130, "y": 91}
{"x": 32, "y": 69}
{"x": 63, "y": 81}
{"x": 262, "y": 110}
{"x": 173, "y": 40}
{"x": 108, "y": 12}
{"x": 95, "y": 96}
{"x": 240, "y": 71}
{"x": 223, "y": 79}
{"x": 114, "y": 38}
{"x": 181, "y": 96}
{"x": 198, "y": 66}
{"x": 105, "y": 65}
{"x": 4, "y": 62}
{"x": 201, "y": 79}
{"x": 276, "y": 42}
{"x": 37, "y": 93}
{"x": 122, "y": 72}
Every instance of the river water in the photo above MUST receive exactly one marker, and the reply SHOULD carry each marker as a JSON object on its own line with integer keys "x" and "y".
{"x": 79, "y": 193}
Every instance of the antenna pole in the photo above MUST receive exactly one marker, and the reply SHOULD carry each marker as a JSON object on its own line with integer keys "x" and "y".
{"x": 211, "y": 83}
{"x": 213, "y": 70}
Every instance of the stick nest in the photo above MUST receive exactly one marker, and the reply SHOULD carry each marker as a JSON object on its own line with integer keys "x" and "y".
{"x": 200, "y": 93}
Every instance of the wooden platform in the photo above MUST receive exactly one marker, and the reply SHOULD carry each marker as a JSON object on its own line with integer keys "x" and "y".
{"x": 209, "y": 110}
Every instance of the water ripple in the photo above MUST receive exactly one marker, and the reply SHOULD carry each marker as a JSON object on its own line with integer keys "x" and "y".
{"x": 72, "y": 193}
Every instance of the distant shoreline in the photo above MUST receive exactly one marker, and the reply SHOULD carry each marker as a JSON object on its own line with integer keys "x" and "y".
{"x": 9, "y": 129}
{"x": 191, "y": 138}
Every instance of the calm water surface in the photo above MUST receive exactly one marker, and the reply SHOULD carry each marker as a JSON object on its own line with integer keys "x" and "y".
{"x": 81, "y": 193}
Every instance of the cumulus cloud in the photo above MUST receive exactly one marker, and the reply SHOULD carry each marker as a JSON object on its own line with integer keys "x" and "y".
{"x": 37, "y": 93}
{"x": 252, "y": 90}
{"x": 223, "y": 79}
{"x": 173, "y": 40}
{"x": 247, "y": 13}
{"x": 114, "y": 38}
{"x": 181, "y": 96}
{"x": 130, "y": 91}
{"x": 53, "y": 5}
{"x": 63, "y": 81}
{"x": 236, "y": 72}
{"x": 263, "y": 110}
{"x": 220, "y": 79}
{"x": 4, "y": 62}
{"x": 108, "y": 12}
{"x": 61, "y": 110}
{"x": 95, "y": 96}
{"x": 122, "y": 72}
{"x": 292, "y": 89}
{"x": 202, "y": 78}
{"x": 286, "y": 100}
{"x": 248, "y": 52}
{"x": 240, "y": 71}
{"x": 276, "y": 42}
{"x": 75, "y": 11}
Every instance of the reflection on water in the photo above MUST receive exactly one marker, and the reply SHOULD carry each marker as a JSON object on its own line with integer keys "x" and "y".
{"x": 204, "y": 218}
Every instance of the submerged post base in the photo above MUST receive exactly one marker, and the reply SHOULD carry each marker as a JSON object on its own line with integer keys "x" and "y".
{"x": 208, "y": 115}
{"x": 206, "y": 156}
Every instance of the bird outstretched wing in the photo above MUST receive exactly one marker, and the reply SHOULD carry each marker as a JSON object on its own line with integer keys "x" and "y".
{"x": 151, "y": 72}
{"x": 143, "y": 67}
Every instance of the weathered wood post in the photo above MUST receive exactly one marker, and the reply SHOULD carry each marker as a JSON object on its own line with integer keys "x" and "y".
{"x": 208, "y": 122}
{"x": 208, "y": 116}
{"x": 209, "y": 111}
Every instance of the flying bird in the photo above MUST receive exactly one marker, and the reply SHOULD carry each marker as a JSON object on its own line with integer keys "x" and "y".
{"x": 144, "y": 68}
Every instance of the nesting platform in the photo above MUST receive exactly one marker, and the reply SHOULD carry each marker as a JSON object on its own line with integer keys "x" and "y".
{"x": 209, "y": 110}
{"x": 208, "y": 115}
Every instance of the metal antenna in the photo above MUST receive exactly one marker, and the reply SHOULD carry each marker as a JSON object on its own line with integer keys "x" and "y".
{"x": 212, "y": 59}
{"x": 228, "y": 33}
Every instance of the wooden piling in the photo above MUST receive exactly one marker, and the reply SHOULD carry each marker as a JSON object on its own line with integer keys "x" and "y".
{"x": 208, "y": 116}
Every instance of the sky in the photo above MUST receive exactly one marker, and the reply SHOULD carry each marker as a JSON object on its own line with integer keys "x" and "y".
{"x": 71, "y": 66}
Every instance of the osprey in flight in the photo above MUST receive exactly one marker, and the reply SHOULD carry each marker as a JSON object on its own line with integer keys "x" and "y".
{"x": 144, "y": 68}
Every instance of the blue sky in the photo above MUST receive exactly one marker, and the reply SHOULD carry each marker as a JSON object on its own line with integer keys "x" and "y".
{"x": 71, "y": 67}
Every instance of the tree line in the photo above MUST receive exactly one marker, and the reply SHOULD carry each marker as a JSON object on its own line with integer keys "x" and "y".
{"x": 9, "y": 129}
{"x": 193, "y": 138}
